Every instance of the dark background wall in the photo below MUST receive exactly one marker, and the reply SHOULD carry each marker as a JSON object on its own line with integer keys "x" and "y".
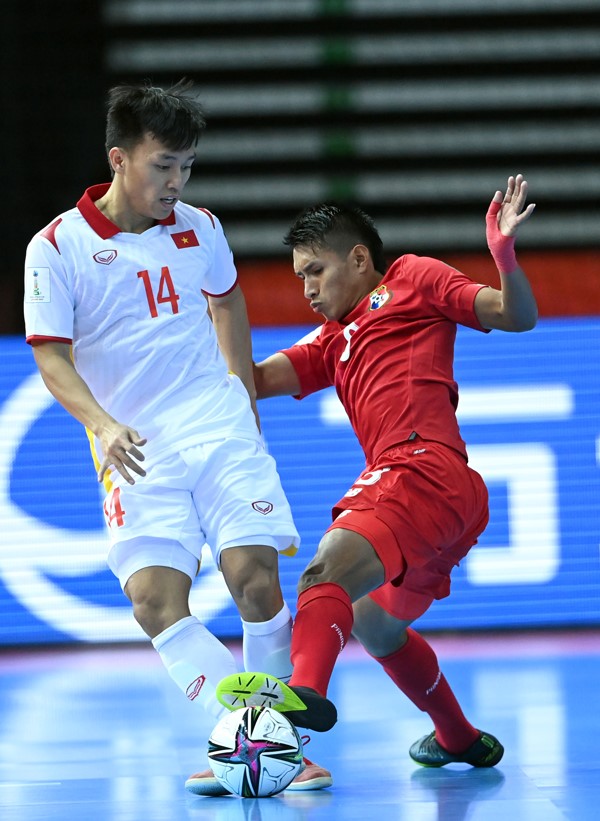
{"x": 51, "y": 140}
{"x": 416, "y": 109}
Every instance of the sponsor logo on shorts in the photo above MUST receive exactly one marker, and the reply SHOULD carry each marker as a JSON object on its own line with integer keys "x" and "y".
{"x": 262, "y": 507}
{"x": 193, "y": 691}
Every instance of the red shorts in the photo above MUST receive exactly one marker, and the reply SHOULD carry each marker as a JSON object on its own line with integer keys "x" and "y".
{"x": 422, "y": 508}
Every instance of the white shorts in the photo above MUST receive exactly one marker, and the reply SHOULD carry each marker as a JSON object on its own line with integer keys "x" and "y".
{"x": 225, "y": 494}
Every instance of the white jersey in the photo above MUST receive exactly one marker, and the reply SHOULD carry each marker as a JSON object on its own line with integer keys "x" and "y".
{"x": 134, "y": 308}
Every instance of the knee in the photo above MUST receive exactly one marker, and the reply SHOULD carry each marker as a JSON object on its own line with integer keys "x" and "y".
{"x": 159, "y": 596}
{"x": 347, "y": 559}
{"x": 257, "y": 595}
{"x": 153, "y": 613}
{"x": 380, "y": 646}
{"x": 315, "y": 573}
{"x": 380, "y": 633}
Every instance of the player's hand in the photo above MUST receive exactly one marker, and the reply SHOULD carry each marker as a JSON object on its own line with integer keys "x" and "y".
{"x": 506, "y": 212}
{"x": 121, "y": 448}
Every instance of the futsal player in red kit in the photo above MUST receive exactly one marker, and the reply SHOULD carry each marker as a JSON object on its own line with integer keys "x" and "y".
{"x": 387, "y": 345}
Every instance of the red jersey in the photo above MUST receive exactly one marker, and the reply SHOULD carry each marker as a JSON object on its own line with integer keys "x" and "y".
{"x": 391, "y": 358}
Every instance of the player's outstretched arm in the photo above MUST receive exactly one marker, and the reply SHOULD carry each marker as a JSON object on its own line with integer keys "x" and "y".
{"x": 276, "y": 376}
{"x": 120, "y": 444}
{"x": 513, "y": 307}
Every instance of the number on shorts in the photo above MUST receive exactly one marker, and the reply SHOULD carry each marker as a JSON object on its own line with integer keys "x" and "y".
{"x": 113, "y": 511}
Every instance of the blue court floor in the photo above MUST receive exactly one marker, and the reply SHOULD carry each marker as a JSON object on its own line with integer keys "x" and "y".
{"x": 102, "y": 734}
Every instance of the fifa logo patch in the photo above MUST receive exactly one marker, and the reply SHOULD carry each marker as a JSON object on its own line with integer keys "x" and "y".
{"x": 379, "y": 297}
{"x": 37, "y": 285}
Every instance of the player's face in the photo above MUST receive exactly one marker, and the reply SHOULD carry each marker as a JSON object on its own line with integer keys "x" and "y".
{"x": 153, "y": 178}
{"x": 332, "y": 283}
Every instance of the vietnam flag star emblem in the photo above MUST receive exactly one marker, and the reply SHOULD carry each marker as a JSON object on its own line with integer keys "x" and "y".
{"x": 185, "y": 239}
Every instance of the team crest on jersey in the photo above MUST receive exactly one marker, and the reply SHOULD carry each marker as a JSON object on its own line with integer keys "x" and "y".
{"x": 106, "y": 257}
{"x": 379, "y": 297}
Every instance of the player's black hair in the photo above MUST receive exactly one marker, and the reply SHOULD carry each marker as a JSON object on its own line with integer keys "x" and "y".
{"x": 172, "y": 116}
{"x": 338, "y": 227}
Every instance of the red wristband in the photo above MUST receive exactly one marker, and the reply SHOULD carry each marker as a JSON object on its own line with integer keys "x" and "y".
{"x": 502, "y": 248}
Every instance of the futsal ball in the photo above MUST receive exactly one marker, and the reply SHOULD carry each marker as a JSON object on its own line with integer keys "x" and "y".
{"x": 255, "y": 752}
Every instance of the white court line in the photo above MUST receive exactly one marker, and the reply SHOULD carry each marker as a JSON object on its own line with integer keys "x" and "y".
{"x": 31, "y": 784}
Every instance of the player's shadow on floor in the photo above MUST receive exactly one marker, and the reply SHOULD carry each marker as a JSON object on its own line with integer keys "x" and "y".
{"x": 457, "y": 789}
{"x": 292, "y": 806}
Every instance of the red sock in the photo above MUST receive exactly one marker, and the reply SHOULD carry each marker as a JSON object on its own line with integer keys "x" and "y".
{"x": 415, "y": 670}
{"x": 321, "y": 629}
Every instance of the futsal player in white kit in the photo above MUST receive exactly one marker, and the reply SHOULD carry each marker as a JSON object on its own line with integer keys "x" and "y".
{"x": 139, "y": 329}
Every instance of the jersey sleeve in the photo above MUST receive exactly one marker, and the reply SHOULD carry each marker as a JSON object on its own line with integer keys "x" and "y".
{"x": 307, "y": 358}
{"x": 451, "y": 292}
{"x": 48, "y": 302}
{"x": 221, "y": 278}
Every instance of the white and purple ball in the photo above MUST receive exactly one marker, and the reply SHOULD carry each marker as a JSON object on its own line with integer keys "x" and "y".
{"x": 255, "y": 752}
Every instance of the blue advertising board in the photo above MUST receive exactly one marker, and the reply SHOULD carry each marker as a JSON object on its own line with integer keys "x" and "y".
{"x": 529, "y": 412}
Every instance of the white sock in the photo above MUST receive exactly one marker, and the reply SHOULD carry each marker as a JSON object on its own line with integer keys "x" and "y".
{"x": 196, "y": 661}
{"x": 266, "y": 647}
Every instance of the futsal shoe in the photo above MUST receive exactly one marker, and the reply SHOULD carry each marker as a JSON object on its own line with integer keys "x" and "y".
{"x": 486, "y": 751}
{"x": 205, "y": 783}
{"x": 302, "y": 705}
{"x": 311, "y": 776}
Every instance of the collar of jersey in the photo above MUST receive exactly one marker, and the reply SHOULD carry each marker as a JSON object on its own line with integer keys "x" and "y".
{"x": 96, "y": 219}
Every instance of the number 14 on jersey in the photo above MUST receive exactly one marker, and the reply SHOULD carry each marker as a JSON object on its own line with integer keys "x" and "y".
{"x": 165, "y": 292}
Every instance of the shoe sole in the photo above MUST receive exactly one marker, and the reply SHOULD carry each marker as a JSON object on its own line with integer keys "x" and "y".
{"x": 257, "y": 690}
{"x": 320, "y": 714}
{"x": 314, "y": 784}
{"x": 302, "y": 706}
{"x": 200, "y": 787}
